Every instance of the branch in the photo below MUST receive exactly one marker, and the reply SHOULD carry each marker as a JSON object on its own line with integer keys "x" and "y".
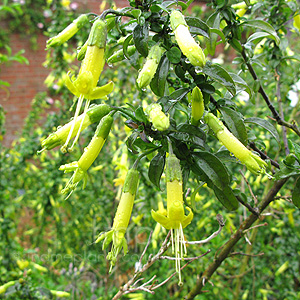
{"x": 229, "y": 245}
{"x": 221, "y": 225}
{"x": 261, "y": 90}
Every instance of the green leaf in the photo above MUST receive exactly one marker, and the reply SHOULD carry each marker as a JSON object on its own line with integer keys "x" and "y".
{"x": 125, "y": 46}
{"x": 174, "y": 55}
{"x": 296, "y": 194}
{"x": 235, "y": 123}
{"x": 241, "y": 83}
{"x": 190, "y": 134}
{"x": 130, "y": 142}
{"x": 219, "y": 74}
{"x": 295, "y": 148}
{"x": 264, "y": 26}
{"x": 136, "y": 13}
{"x": 158, "y": 83}
{"x": 266, "y": 125}
{"x": 196, "y": 26}
{"x": 140, "y": 37}
{"x": 193, "y": 198}
{"x": 156, "y": 168}
{"x": 169, "y": 101}
{"x": 212, "y": 168}
{"x": 219, "y": 33}
{"x": 214, "y": 22}
{"x": 258, "y": 36}
{"x": 140, "y": 115}
{"x": 226, "y": 197}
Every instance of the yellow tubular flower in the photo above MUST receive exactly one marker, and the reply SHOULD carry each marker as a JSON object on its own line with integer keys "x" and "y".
{"x": 252, "y": 161}
{"x": 150, "y": 66}
{"x": 185, "y": 41}
{"x": 91, "y": 152}
{"x": 176, "y": 220}
{"x": 117, "y": 234}
{"x": 85, "y": 85}
{"x": 68, "y": 32}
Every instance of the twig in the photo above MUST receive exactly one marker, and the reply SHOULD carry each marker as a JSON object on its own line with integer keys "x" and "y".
{"x": 249, "y": 187}
{"x": 145, "y": 249}
{"x": 250, "y": 208}
{"x": 245, "y": 254}
{"x": 192, "y": 259}
{"x": 234, "y": 239}
{"x": 264, "y": 156}
{"x": 256, "y": 226}
{"x": 261, "y": 90}
{"x": 284, "y": 134}
{"x": 221, "y": 225}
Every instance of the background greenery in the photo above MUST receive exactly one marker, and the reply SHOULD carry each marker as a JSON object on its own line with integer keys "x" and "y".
{"x": 47, "y": 242}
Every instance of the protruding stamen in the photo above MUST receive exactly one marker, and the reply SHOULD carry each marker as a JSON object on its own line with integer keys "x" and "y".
{"x": 64, "y": 147}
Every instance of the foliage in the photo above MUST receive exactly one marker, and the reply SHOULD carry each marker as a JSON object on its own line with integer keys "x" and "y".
{"x": 251, "y": 95}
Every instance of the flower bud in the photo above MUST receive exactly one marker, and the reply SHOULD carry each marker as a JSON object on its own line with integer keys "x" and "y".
{"x": 185, "y": 41}
{"x": 150, "y": 67}
{"x": 68, "y": 32}
{"x": 197, "y": 106}
{"x": 155, "y": 115}
{"x": 119, "y": 55}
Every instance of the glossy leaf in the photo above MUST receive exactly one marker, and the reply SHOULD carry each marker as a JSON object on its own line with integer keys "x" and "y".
{"x": 156, "y": 168}
{"x": 264, "y": 26}
{"x": 190, "y": 134}
{"x": 140, "y": 115}
{"x": 219, "y": 74}
{"x": 169, "y": 101}
{"x": 158, "y": 83}
{"x": 266, "y": 125}
{"x": 240, "y": 83}
{"x": 226, "y": 197}
{"x": 296, "y": 194}
{"x": 213, "y": 168}
{"x": 140, "y": 37}
{"x": 174, "y": 55}
{"x": 196, "y": 26}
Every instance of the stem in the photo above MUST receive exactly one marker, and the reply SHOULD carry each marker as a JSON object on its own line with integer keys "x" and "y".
{"x": 261, "y": 90}
{"x": 278, "y": 93}
{"x": 144, "y": 154}
{"x": 114, "y": 12}
{"x": 228, "y": 246}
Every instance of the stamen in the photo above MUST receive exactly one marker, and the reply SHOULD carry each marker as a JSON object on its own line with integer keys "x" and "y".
{"x": 87, "y": 104}
{"x": 79, "y": 103}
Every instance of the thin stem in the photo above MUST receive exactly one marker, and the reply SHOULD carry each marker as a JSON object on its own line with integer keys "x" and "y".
{"x": 261, "y": 90}
{"x": 284, "y": 133}
{"x": 114, "y": 12}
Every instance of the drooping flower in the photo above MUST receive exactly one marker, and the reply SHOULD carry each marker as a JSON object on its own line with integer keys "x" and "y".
{"x": 91, "y": 152}
{"x": 252, "y": 161}
{"x": 85, "y": 84}
{"x": 59, "y": 137}
{"x": 116, "y": 235}
{"x": 150, "y": 66}
{"x": 185, "y": 41}
{"x": 175, "y": 220}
